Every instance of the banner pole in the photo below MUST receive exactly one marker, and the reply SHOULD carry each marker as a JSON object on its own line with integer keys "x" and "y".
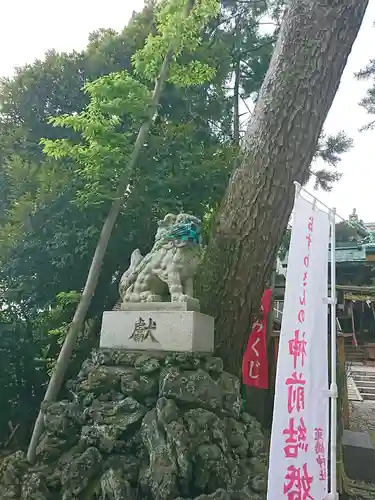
{"x": 298, "y": 188}
{"x": 333, "y": 495}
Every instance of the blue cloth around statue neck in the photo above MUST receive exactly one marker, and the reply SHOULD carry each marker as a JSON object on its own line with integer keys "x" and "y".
{"x": 185, "y": 231}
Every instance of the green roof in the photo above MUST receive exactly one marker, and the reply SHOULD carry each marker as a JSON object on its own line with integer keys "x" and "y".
{"x": 346, "y": 253}
{"x": 354, "y": 254}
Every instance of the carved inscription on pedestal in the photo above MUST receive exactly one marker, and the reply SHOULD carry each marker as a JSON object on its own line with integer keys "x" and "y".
{"x": 144, "y": 331}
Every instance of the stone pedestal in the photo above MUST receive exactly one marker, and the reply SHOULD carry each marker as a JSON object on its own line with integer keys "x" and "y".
{"x": 359, "y": 456}
{"x": 190, "y": 304}
{"x": 151, "y": 328}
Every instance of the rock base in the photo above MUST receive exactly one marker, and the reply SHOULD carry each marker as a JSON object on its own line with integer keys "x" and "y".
{"x": 142, "y": 426}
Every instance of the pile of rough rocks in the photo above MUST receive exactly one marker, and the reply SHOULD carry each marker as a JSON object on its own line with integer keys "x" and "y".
{"x": 144, "y": 426}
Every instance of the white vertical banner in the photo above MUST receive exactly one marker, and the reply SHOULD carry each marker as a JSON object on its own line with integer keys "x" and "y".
{"x": 299, "y": 439}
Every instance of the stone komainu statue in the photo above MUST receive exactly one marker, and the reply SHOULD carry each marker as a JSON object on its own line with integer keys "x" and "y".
{"x": 166, "y": 273}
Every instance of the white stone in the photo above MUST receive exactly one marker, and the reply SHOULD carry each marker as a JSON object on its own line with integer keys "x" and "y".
{"x": 158, "y": 331}
{"x": 190, "y": 304}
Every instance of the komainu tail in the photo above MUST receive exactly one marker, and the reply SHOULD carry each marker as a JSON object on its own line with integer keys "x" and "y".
{"x": 130, "y": 275}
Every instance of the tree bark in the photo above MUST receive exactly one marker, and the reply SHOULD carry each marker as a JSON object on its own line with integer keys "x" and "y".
{"x": 236, "y": 102}
{"x": 58, "y": 374}
{"x": 315, "y": 40}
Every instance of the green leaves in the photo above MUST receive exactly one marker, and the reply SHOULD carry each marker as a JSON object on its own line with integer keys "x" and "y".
{"x": 107, "y": 127}
{"x": 368, "y": 102}
{"x": 184, "y": 34}
{"x": 330, "y": 148}
{"x": 118, "y": 103}
{"x": 194, "y": 73}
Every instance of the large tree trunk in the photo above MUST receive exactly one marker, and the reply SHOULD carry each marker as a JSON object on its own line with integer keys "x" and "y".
{"x": 315, "y": 40}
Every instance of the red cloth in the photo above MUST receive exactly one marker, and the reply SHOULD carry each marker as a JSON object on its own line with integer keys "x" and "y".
{"x": 255, "y": 363}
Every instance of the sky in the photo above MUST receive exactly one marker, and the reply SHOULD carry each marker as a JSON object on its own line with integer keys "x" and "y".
{"x": 29, "y": 29}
